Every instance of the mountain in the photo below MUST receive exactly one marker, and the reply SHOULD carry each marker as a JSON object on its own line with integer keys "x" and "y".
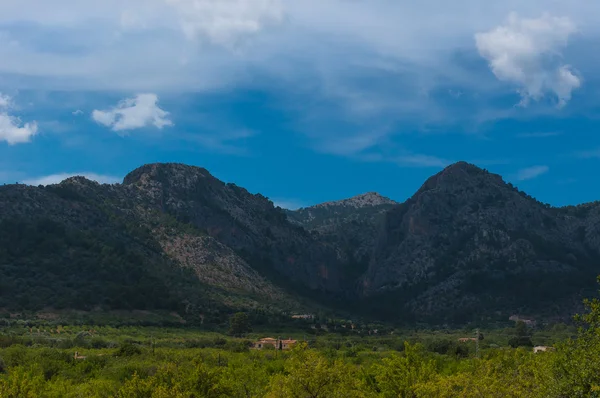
{"x": 466, "y": 246}
{"x": 248, "y": 224}
{"x": 170, "y": 237}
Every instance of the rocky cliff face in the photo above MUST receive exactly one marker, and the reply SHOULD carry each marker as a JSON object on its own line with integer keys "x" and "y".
{"x": 249, "y": 224}
{"x": 465, "y": 246}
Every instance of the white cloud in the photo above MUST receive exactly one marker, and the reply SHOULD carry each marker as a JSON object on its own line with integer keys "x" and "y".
{"x": 137, "y": 44}
{"x": 527, "y": 52}
{"x": 12, "y": 129}
{"x": 5, "y": 101}
{"x": 531, "y": 172}
{"x": 134, "y": 113}
{"x": 77, "y": 112}
{"x": 227, "y": 22}
{"x": 57, "y": 178}
{"x": 378, "y": 63}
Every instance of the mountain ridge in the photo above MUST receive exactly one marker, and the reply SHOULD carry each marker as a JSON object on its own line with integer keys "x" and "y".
{"x": 465, "y": 246}
{"x": 358, "y": 201}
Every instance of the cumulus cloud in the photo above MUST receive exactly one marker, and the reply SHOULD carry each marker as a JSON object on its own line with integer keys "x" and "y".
{"x": 362, "y": 63}
{"x": 527, "y": 52}
{"x": 227, "y": 22}
{"x": 57, "y": 178}
{"x": 70, "y": 44}
{"x": 4, "y": 101}
{"x": 531, "y": 172}
{"x": 12, "y": 129}
{"x": 134, "y": 113}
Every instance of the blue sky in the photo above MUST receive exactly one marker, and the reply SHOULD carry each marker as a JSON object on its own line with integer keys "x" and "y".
{"x": 304, "y": 102}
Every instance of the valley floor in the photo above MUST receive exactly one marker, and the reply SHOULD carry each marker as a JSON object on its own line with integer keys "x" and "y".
{"x": 50, "y": 360}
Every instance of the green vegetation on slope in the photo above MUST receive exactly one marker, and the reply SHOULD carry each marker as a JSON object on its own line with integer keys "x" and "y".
{"x": 44, "y": 263}
{"x": 465, "y": 248}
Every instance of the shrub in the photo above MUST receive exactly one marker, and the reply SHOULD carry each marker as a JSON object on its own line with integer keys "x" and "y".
{"x": 520, "y": 341}
{"x": 239, "y": 346}
{"x": 128, "y": 350}
{"x": 440, "y": 346}
{"x": 98, "y": 342}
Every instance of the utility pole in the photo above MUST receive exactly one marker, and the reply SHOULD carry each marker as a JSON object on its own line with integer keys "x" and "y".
{"x": 477, "y": 343}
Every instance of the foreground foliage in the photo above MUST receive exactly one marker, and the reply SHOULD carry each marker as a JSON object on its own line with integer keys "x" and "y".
{"x": 218, "y": 367}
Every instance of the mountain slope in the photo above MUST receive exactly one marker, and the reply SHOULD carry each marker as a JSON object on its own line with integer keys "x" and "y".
{"x": 468, "y": 243}
{"x": 81, "y": 245}
{"x": 248, "y": 224}
{"x": 350, "y": 224}
{"x": 57, "y": 252}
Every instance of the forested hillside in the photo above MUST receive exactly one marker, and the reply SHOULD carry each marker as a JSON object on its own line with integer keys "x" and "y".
{"x": 466, "y": 246}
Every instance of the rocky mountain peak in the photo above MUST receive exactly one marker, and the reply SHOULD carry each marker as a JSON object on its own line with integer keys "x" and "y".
{"x": 174, "y": 174}
{"x": 459, "y": 176}
{"x": 463, "y": 166}
{"x": 368, "y": 199}
{"x": 78, "y": 180}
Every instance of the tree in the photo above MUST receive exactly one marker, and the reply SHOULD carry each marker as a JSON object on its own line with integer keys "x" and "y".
{"x": 574, "y": 370}
{"x": 521, "y": 329}
{"x": 398, "y": 375}
{"x": 246, "y": 377}
{"x": 308, "y": 374}
{"x": 521, "y": 337}
{"x": 239, "y": 324}
{"x": 23, "y": 383}
{"x": 128, "y": 350}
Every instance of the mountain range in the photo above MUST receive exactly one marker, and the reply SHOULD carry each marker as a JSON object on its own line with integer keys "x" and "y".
{"x": 465, "y": 247}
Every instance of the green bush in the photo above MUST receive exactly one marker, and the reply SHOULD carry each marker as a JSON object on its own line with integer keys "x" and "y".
{"x": 98, "y": 343}
{"x": 128, "y": 350}
{"x": 520, "y": 341}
